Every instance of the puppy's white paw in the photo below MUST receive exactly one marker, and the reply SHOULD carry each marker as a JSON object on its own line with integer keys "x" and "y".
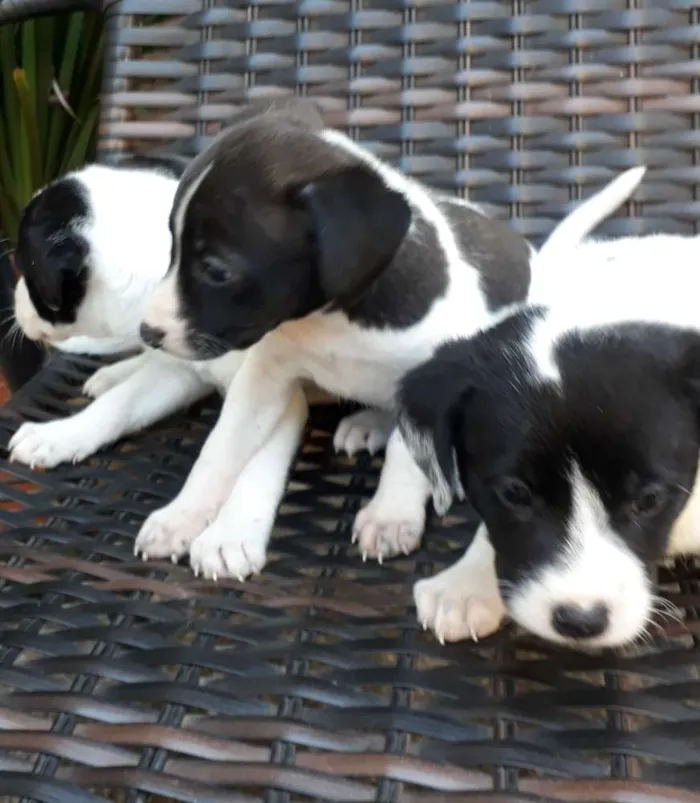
{"x": 222, "y": 552}
{"x": 102, "y": 380}
{"x": 388, "y": 527}
{"x": 49, "y": 444}
{"x": 170, "y": 531}
{"x": 367, "y": 429}
{"x": 456, "y": 606}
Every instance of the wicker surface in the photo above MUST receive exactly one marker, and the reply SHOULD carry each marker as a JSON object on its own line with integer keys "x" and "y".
{"x": 524, "y": 104}
{"x": 312, "y": 682}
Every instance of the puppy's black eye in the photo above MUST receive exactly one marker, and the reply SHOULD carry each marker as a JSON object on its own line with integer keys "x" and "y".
{"x": 214, "y": 271}
{"x": 649, "y": 502}
{"x": 514, "y": 495}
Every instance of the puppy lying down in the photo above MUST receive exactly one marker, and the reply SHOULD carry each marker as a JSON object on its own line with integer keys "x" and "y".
{"x": 92, "y": 248}
{"x": 573, "y": 426}
{"x": 329, "y": 265}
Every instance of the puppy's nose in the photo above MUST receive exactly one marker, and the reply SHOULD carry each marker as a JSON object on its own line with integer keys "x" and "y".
{"x": 573, "y": 621}
{"x": 151, "y": 336}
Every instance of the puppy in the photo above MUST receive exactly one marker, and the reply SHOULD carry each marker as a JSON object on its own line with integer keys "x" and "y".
{"x": 340, "y": 270}
{"x": 92, "y": 247}
{"x": 573, "y": 426}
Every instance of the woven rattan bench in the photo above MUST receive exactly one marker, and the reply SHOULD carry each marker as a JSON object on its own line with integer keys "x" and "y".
{"x": 127, "y": 681}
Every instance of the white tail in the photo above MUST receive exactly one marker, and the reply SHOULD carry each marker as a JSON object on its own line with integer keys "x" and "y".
{"x": 577, "y": 225}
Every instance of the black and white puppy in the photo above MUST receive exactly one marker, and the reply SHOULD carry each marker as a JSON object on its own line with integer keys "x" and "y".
{"x": 339, "y": 269}
{"x": 89, "y": 254}
{"x": 573, "y": 426}
{"x": 92, "y": 247}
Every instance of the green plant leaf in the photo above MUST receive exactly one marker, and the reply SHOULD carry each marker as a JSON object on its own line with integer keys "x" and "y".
{"x": 60, "y": 119}
{"x": 81, "y": 145}
{"x": 91, "y": 75}
{"x": 45, "y": 37}
{"x": 31, "y": 129}
{"x": 29, "y": 54}
{"x": 7, "y": 179}
{"x": 9, "y": 217}
{"x": 39, "y": 137}
{"x": 9, "y": 56}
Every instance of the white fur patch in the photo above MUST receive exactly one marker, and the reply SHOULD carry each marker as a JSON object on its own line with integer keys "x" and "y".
{"x": 595, "y": 567}
{"x": 649, "y": 280}
{"x": 162, "y": 313}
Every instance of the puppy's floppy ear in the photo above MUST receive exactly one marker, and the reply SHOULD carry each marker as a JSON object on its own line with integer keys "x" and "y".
{"x": 46, "y": 264}
{"x": 359, "y": 225}
{"x": 430, "y": 400}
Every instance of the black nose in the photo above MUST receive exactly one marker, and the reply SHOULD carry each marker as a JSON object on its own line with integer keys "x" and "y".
{"x": 574, "y": 621}
{"x": 151, "y": 336}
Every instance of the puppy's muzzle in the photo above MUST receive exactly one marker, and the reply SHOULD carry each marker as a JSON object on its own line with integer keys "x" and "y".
{"x": 152, "y": 336}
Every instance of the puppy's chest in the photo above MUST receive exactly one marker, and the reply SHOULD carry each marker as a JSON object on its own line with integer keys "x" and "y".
{"x": 351, "y": 367}
{"x": 360, "y": 380}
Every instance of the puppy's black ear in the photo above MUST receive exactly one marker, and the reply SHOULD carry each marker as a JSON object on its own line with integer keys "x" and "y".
{"x": 359, "y": 225}
{"x": 46, "y": 264}
{"x": 430, "y": 402}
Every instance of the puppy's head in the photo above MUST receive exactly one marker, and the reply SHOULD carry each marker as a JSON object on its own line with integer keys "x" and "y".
{"x": 273, "y": 222}
{"x": 91, "y": 246}
{"x": 579, "y": 461}
{"x": 51, "y": 256}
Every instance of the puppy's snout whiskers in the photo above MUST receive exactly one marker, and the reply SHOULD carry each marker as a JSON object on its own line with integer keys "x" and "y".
{"x": 661, "y": 613}
{"x": 666, "y": 610}
{"x": 14, "y": 335}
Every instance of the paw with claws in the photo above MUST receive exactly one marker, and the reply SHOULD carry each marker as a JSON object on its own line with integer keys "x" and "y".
{"x": 462, "y": 602}
{"x": 47, "y": 445}
{"x": 170, "y": 531}
{"x": 367, "y": 429}
{"x": 220, "y": 553}
{"x": 389, "y": 526}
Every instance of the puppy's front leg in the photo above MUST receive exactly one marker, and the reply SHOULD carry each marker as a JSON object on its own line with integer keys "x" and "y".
{"x": 151, "y": 392}
{"x": 110, "y": 376}
{"x": 235, "y": 544}
{"x": 394, "y": 520}
{"x": 463, "y": 601}
{"x": 256, "y": 401}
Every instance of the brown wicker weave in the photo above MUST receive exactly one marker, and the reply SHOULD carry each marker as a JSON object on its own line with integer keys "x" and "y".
{"x": 136, "y": 682}
{"x": 524, "y": 105}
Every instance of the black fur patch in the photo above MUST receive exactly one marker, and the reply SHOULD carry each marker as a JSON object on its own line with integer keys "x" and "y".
{"x": 406, "y": 290}
{"x": 51, "y": 252}
{"x": 500, "y": 254}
